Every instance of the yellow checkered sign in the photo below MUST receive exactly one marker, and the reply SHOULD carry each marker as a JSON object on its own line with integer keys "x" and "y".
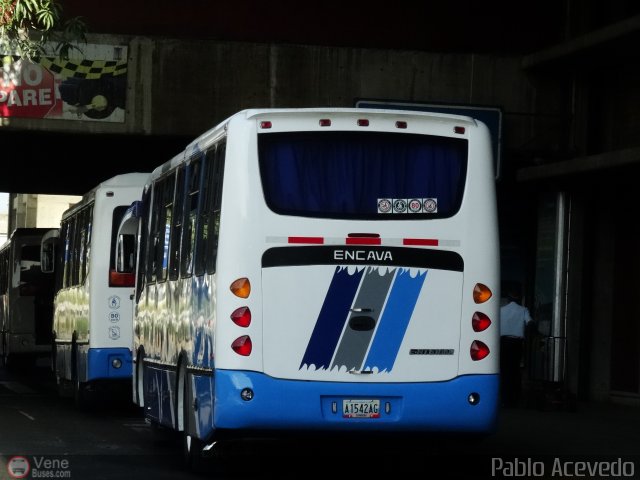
{"x": 89, "y": 69}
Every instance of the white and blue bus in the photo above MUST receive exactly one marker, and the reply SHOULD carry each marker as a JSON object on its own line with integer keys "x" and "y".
{"x": 320, "y": 269}
{"x": 93, "y": 306}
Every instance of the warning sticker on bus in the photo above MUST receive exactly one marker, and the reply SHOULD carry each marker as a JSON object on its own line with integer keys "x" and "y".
{"x": 407, "y": 205}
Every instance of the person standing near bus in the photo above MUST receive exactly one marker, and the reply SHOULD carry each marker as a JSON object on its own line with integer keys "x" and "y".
{"x": 514, "y": 319}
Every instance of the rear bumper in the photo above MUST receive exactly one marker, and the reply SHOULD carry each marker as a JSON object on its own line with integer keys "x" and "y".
{"x": 109, "y": 363}
{"x": 300, "y": 405}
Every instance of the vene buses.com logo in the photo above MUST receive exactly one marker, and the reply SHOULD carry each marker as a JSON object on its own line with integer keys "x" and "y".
{"x": 18, "y": 467}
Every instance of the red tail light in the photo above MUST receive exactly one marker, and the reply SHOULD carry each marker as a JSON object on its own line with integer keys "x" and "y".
{"x": 117, "y": 279}
{"x": 242, "y": 345}
{"x": 478, "y": 350}
{"x": 480, "y": 322}
{"x": 241, "y": 316}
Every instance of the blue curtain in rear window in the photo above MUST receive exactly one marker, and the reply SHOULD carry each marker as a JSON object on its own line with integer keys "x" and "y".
{"x": 344, "y": 174}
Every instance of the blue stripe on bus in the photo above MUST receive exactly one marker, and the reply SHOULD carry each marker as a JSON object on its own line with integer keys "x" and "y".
{"x": 332, "y": 318}
{"x": 395, "y": 320}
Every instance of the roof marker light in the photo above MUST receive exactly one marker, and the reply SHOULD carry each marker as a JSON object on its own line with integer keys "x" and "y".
{"x": 401, "y": 124}
{"x": 363, "y": 122}
{"x": 459, "y": 130}
{"x": 325, "y": 122}
{"x": 265, "y": 124}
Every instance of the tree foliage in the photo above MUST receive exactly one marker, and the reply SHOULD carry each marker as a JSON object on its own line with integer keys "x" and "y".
{"x": 33, "y": 27}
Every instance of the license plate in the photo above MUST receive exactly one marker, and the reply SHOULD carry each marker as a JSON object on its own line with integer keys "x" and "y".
{"x": 361, "y": 408}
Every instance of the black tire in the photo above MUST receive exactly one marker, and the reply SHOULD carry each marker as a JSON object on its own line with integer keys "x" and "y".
{"x": 192, "y": 446}
{"x": 80, "y": 395}
{"x": 4, "y": 358}
{"x": 138, "y": 386}
{"x": 99, "y": 114}
{"x": 54, "y": 357}
{"x": 105, "y": 112}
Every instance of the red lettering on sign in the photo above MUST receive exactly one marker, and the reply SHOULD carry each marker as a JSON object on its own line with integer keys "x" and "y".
{"x": 28, "y": 90}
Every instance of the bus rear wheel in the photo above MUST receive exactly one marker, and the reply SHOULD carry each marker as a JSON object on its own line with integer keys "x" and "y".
{"x": 4, "y": 357}
{"x": 80, "y": 394}
{"x": 192, "y": 446}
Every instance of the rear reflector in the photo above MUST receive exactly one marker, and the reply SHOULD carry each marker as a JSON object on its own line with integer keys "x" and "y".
{"x": 481, "y": 293}
{"x": 428, "y": 242}
{"x": 242, "y": 345}
{"x": 315, "y": 240}
{"x": 241, "y": 316}
{"x": 478, "y": 350}
{"x": 480, "y": 322}
{"x": 363, "y": 241}
{"x": 241, "y": 287}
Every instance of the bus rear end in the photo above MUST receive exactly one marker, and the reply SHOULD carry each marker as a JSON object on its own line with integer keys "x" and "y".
{"x": 374, "y": 294}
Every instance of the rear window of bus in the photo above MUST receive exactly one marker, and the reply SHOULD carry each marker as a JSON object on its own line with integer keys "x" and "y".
{"x": 362, "y": 175}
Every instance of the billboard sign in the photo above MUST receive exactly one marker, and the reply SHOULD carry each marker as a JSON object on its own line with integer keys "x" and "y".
{"x": 89, "y": 85}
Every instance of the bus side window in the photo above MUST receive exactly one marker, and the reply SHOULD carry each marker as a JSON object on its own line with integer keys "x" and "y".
{"x": 159, "y": 236}
{"x": 176, "y": 228}
{"x": 191, "y": 207}
{"x": 47, "y": 256}
{"x": 86, "y": 219}
{"x": 67, "y": 241}
{"x": 151, "y": 245}
{"x": 125, "y": 253}
{"x": 167, "y": 213}
{"x": 210, "y": 219}
{"x": 145, "y": 246}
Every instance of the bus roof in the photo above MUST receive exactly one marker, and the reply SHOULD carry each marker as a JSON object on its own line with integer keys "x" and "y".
{"x": 125, "y": 180}
{"x": 210, "y": 135}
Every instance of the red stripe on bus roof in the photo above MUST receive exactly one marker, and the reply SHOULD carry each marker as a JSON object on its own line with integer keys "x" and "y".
{"x": 431, "y": 242}
{"x": 363, "y": 241}
{"x": 314, "y": 240}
